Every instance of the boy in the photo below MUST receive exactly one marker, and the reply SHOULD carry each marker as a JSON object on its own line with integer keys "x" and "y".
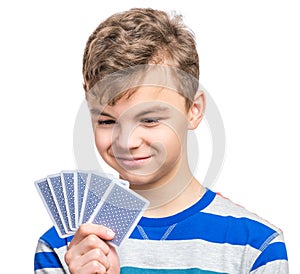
{"x": 141, "y": 73}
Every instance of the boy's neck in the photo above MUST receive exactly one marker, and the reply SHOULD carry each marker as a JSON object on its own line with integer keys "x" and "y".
{"x": 176, "y": 194}
{"x": 161, "y": 190}
{"x": 190, "y": 195}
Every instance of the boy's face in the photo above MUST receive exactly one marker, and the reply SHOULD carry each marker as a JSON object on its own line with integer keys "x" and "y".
{"x": 143, "y": 137}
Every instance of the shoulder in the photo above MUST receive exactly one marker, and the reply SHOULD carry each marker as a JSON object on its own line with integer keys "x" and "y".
{"x": 249, "y": 229}
{"x": 243, "y": 225}
{"x": 224, "y": 206}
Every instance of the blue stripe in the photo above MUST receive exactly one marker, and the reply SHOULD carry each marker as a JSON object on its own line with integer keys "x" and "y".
{"x": 275, "y": 251}
{"x": 46, "y": 260}
{"x": 179, "y": 217}
{"x": 52, "y": 239}
{"x": 213, "y": 228}
{"x": 225, "y": 229}
{"x": 207, "y": 226}
{"x": 135, "y": 270}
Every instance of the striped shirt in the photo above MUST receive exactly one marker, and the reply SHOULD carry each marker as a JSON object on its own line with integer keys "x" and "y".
{"x": 212, "y": 236}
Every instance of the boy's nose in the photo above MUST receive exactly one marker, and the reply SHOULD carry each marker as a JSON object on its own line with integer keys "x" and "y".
{"x": 126, "y": 138}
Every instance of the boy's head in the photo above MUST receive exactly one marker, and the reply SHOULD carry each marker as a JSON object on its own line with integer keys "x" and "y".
{"x": 136, "y": 38}
{"x": 141, "y": 72}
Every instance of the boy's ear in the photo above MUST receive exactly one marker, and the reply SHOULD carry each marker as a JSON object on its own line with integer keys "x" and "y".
{"x": 196, "y": 111}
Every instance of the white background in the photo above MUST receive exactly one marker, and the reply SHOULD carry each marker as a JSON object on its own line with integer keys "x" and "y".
{"x": 250, "y": 65}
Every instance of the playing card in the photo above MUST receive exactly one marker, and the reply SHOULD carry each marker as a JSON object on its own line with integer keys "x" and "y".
{"x": 97, "y": 185}
{"x": 68, "y": 183}
{"x": 48, "y": 200}
{"x": 120, "y": 210}
{"x": 123, "y": 182}
{"x": 76, "y": 197}
{"x": 56, "y": 187}
{"x": 82, "y": 177}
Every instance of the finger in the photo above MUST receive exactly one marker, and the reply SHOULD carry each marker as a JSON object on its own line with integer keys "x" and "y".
{"x": 86, "y": 229}
{"x": 90, "y": 267}
{"x": 94, "y": 257}
{"x": 97, "y": 255}
{"x": 113, "y": 261}
{"x": 90, "y": 242}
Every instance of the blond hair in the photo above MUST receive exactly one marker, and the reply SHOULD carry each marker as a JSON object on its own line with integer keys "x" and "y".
{"x": 137, "y": 37}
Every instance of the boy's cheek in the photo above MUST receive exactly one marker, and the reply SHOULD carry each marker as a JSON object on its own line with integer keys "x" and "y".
{"x": 102, "y": 141}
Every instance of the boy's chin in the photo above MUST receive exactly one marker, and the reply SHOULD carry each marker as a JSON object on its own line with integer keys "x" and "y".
{"x": 138, "y": 181}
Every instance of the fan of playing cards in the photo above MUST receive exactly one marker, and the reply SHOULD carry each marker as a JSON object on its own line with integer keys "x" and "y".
{"x": 76, "y": 197}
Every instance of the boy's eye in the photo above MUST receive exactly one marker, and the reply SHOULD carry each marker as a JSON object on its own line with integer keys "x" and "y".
{"x": 106, "y": 122}
{"x": 150, "y": 121}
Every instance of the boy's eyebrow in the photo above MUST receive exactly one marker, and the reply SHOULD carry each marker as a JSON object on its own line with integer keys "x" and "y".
{"x": 152, "y": 110}
{"x": 97, "y": 112}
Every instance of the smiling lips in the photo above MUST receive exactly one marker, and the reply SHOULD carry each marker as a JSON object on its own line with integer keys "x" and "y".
{"x": 133, "y": 161}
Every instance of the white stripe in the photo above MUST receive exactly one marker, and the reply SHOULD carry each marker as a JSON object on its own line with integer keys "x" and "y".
{"x": 43, "y": 247}
{"x": 49, "y": 271}
{"x": 275, "y": 267}
{"x": 278, "y": 239}
{"x": 61, "y": 254}
{"x": 187, "y": 254}
{"x": 225, "y": 207}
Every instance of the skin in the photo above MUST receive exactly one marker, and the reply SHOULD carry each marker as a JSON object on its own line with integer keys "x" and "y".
{"x": 144, "y": 138}
{"x": 89, "y": 253}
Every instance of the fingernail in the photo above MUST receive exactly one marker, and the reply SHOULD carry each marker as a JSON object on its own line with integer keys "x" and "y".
{"x": 110, "y": 233}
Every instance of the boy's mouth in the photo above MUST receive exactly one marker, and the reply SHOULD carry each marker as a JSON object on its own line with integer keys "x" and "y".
{"x": 133, "y": 161}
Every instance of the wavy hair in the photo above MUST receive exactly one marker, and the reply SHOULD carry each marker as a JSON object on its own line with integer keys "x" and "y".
{"x": 137, "y": 37}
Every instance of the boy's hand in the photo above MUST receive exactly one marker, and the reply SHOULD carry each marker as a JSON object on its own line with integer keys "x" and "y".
{"x": 88, "y": 252}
